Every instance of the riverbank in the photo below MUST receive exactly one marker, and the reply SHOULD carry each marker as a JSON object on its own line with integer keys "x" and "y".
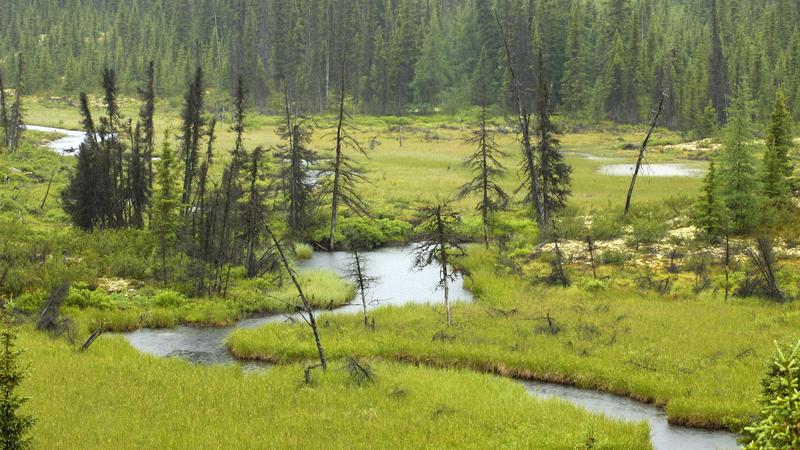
{"x": 700, "y": 360}
{"x": 128, "y": 400}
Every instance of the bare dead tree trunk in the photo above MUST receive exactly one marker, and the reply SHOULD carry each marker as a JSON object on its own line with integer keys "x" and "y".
{"x": 50, "y": 183}
{"x": 590, "y": 242}
{"x": 642, "y": 149}
{"x": 306, "y": 305}
{"x": 361, "y": 286}
{"x": 485, "y": 191}
{"x": 337, "y": 166}
{"x": 446, "y": 285}
{"x": 524, "y": 118}
{"x": 3, "y": 111}
{"x": 727, "y": 266}
{"x": 445, "y": 261}
{"x": 764, "y": 260}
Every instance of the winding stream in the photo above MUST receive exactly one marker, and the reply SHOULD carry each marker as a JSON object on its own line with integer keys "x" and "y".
{"x": 399, "y": 283}
{"x": 206, "y": 345}
{"x": 65, "y": 145}
{"x": 394, "y": 268}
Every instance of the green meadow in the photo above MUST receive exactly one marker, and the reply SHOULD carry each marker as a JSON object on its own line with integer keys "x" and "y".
{"x": 113, "y": 396}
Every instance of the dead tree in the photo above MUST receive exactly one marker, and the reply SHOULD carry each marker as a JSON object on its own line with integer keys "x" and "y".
{"x": 727, "y": 266}
{"x": 642, "y": 150}
{"x": 15, "y": 124}
{"x": 293, "y": 177}
{"x": 306, "y": 305}
{"x": 533, "y": 194}
{"x": 438, "y": 243}
{"x": 50, "y": 183}
{"x": 3, "y": 111}
{"x": 50, "y": 318}
{"x": 91, "y": 340}
{"x": 590, "y": 243}
{"x": 765, "y": 262}
{"x": 344, "y": 172}
{"x": 254, "y": 212}
{"x": 357, "y": 274}
{"x": 557, "y": 275}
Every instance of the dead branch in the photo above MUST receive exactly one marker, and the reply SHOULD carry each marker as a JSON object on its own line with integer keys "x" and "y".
{"x": 642, "y": 149}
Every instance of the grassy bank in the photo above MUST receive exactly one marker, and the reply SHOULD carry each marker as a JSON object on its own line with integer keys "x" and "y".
{"x": 700, "y": 359}
{"x": 113, "y": 396}
{"x": 131, "y": 306}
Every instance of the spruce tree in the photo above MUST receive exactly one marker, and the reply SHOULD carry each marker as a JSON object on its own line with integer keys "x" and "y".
{"x": 80, "y": 195}
{"x": 166, "y": 205}
{"x": 430, "y": 71}
{"x": 192, "y": 132}
{"x": 15, "y": 427}
{"x": 403, "y": 54}
{"x": 718, "y": 68}
{"x": 738, "y": 168}
{"x": 777, "y": 166}
{"x": 574, "y": 83}
{"x": 709, "y": 211}
{"x": 708, "y": 125}
{"x": 554, "y": 172}
{"x": 485, "y": 161}
{"x": 146, "y": 113}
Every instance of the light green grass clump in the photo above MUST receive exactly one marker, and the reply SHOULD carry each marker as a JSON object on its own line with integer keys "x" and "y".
{"x": 701, "y": 359}
{"x": 303, "y": 250}
{"x": 115, "y": 397}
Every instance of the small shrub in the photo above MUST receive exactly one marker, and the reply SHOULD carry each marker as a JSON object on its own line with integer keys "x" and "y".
{"x": 594, "y": 285}
{"x": 169, "y": 299}
{"x": 30, "y": 301}
{"x": 605, "y": 226}
{"x": 648, "y": 230}
{"x": 613, "y": 257}
{"x": 85, "y": 298}
{"x": 776, "y": 426}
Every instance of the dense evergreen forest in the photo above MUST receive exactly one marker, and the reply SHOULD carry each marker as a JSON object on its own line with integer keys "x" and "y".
{"x": 607, "y": 59}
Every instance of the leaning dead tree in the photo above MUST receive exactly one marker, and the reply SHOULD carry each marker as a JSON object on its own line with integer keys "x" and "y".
{"x": 642, "y": 149}
{"x": 533, "y": 193}
{"x": 50, "y": 319}
{"x": 306, "y": 305}
{"x": 765, "y": 262}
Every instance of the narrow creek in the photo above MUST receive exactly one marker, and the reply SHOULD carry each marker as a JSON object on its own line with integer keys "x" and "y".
{"x": 400, "y": 283}
{"x": 67, "y": 144}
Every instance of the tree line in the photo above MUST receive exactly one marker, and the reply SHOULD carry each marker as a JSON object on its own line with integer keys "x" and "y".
{"x": 607, "y": 59}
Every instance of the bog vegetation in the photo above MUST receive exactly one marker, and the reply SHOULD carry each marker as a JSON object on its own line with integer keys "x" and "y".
{"x": 222, "y": 148}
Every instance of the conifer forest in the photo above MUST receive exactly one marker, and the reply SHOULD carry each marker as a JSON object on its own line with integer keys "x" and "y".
{"x": 466, "y": 224}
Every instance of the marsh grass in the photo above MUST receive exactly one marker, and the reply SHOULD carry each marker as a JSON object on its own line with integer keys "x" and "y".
{"x": 303, "y": 250}
{"x": 113, "y": 396}
{"x": 698, "y": 358}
